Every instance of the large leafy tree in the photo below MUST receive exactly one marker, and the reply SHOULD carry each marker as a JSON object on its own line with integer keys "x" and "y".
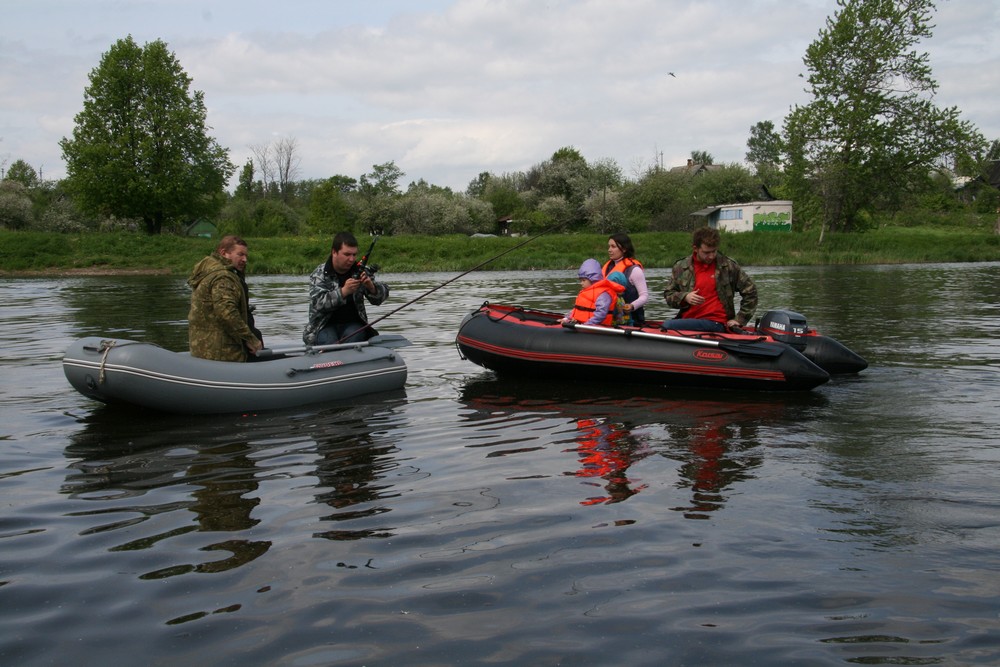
{"x": 23, "y": 173}
{"x": 872, "y": 129}
{"x": 140, "y": 148}
{"x": 330, "y": 210}
{"x": 764, "y": 153}
{"x": 702, "y": 157}
{"x": 764, "y": 145}
{"x": 379, "y": 190}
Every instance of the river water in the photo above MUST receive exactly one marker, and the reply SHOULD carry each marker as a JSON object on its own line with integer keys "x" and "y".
{"x": 473, "y": 520}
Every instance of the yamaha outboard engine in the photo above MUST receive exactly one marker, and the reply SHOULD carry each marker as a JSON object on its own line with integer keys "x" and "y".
{"x": 828, "y": 353}
{"x": 782, "y": 325}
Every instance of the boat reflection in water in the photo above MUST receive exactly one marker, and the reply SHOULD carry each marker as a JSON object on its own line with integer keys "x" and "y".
{"x": 717, "y": 442}
{"x": 162, "y": 483}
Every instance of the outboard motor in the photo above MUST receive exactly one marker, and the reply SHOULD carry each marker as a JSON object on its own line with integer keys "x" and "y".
{"x": 828, "y": 353}
{"x": 782, "y": 325}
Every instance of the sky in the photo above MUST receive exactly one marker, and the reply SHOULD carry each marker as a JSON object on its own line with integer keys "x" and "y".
{"x": 448, "y": 89}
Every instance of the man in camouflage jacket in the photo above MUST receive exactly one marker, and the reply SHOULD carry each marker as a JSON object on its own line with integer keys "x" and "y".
{"x": 337, "y": 295}
{"x": 696, "y": 311}
{"x": 220, "y": 325}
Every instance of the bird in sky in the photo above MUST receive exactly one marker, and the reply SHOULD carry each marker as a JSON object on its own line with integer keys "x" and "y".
{"x": 672, "y": 74}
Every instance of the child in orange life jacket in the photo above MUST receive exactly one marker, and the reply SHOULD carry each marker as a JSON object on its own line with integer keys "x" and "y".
{"x": 596, "y": 300}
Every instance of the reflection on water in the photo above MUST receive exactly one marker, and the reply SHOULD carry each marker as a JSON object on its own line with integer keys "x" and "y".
{"x": 606, "y": 450}
{"x": 716, "y": 440}
{"x": 353, "y": 469}
{"x": 150, "y": 466}
{"x": 155, "y": 310}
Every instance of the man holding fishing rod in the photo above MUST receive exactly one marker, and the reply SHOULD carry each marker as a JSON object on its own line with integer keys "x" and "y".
{"x": 338, "y": 289}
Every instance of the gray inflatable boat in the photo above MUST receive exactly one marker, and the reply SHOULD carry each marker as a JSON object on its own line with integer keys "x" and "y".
{"x": 126, "y": 371}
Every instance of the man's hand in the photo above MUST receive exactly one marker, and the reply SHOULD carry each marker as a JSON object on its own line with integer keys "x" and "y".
{"x": 694, "y": 298}
{"x": 351, "y": 285}
{"x": 368, "y": 283}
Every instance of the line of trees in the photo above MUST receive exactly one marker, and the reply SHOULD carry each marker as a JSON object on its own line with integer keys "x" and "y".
{"x": 869, "y": 146}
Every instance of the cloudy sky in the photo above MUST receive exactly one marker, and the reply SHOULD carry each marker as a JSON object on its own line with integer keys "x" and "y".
{"x": 450, "y": 88}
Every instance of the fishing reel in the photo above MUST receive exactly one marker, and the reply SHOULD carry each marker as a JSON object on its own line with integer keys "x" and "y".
{"x": 360, "y": 270}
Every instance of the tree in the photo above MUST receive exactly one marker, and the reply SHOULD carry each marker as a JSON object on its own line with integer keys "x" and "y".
{"x": 660, "y": 201}
{"x": 729, "y": 184}
{"x": 278, "y": 165}
{"x": 287, "y": 162}
{"x": 764, "y": 150}
{"x": 379, "y": 190}
{"x": 604, "y": 212}
{"x": 383, "y": 179}
{"x": 502, "y": 194}
{"x": 140, "y": 148}
{"x": 871, "y": 130}
{"x": 23, "y": 173}
{"x": 477, "y": 186}
{"x": 245, "y": 186}
{"x": 429, "y": 209}
{"x": 565, "y": 175}
{"x": 764, "y": 145}
{"x": 329, "y": 210}
{"x": 993, "y": 152}
{"x": 264, "y": 160}
{"x": 702, "y": 157}
{"x": 601, "y": 205}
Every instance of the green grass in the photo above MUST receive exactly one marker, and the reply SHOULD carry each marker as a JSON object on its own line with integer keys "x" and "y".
{"x": 31, "y": 252}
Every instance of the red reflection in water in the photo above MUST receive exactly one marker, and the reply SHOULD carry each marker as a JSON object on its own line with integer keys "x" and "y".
{"x": 606, "y": 451}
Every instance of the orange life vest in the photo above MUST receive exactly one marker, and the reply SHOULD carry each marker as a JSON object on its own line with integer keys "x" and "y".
{"x": 586, "y": 301}
{"x": 625, "y": 265}
{"x": 622, "y": 265}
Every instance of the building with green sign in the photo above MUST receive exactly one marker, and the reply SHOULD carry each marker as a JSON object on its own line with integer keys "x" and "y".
{"x": 770, "y": 216}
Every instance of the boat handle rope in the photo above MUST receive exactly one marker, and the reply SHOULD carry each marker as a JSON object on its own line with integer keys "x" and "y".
{"x": 104, "y": 349}
{"x": 106, "y": 346}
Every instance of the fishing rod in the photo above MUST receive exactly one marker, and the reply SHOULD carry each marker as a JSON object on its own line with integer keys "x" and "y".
{"x": 451, "y": 280}
{"x": 362, "y": 267}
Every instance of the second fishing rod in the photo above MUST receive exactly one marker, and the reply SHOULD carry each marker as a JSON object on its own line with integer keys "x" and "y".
{"x": 478, "y": 266}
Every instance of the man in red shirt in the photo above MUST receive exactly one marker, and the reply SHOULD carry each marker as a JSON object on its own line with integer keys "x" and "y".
{"x": 703, "y": 287}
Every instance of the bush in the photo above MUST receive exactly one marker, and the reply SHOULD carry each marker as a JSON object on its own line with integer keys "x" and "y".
{"x": 263, "y": 218}
{"x": 15, "y": 206}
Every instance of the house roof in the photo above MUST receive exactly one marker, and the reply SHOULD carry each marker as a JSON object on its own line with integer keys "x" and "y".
{"x": 712, "y": 209}
{"x": 707, "y": 211}
{"x": 692, "y": 168}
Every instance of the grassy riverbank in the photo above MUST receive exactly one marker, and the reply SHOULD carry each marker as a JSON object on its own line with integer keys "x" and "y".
{"x": 29, "y": 253}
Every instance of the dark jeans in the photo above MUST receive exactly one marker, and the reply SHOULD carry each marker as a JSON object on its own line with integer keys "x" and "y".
{"x": 342, "y": 332}
{"x": 694, "y": 325}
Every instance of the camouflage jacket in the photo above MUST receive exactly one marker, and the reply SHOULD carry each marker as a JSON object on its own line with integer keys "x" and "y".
{"x": 325, "y": 298}
{"x": 218, "y": 322}
{"x": 730, "y": 279}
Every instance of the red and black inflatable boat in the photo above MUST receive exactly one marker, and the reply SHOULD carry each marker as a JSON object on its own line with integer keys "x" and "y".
{"x": 514, "y": 340}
